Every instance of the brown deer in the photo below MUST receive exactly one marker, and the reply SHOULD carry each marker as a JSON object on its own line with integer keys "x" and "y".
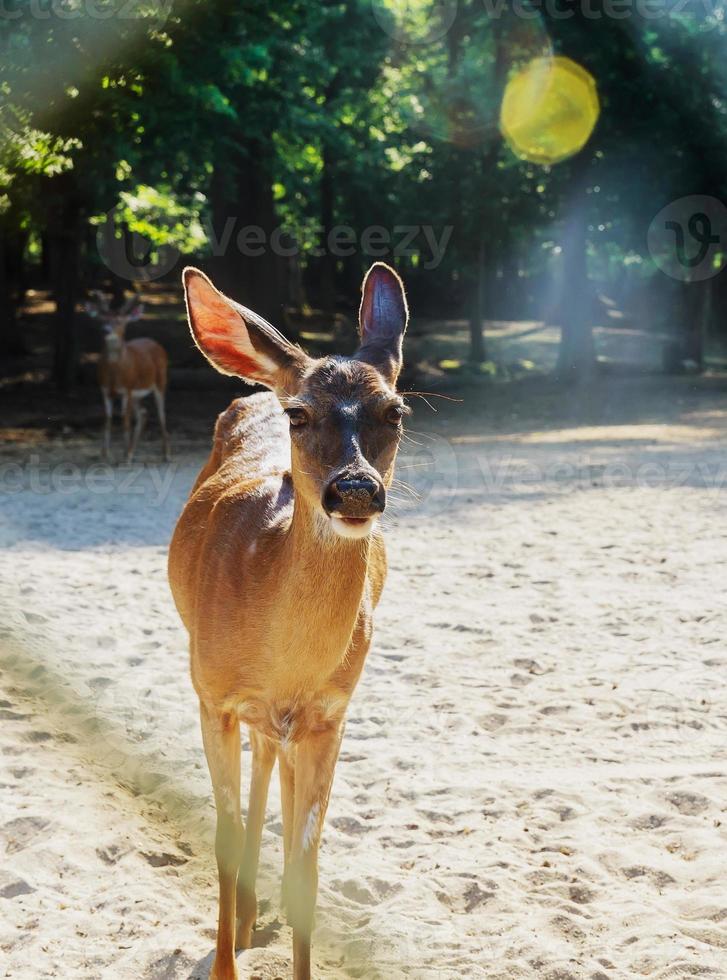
{"x": 131, "y": 370}
{"x": 276, "y": 565}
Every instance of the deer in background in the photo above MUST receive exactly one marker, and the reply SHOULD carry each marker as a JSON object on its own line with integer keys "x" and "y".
{"x": 276, "y": 565}
{"x": 130, "y": 370}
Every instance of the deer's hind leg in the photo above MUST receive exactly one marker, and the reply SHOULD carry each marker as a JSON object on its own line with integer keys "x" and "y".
{"x": 315, "y": 762}
{"x": 126, "y": 406}
{"x": 108, "y": 407}
{"x": 139, "y": 419}
{"x": 286, "y": 767}
{"x": 159, "y": 396}
{"x": 221, "y": 737}
{"x": 263, "y": 758}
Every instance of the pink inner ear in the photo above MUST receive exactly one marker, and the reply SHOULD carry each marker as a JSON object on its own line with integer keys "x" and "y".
{"x": 383, "y": 308}
{"x": 220, "y": 331}
{"x": 219, "y": 349}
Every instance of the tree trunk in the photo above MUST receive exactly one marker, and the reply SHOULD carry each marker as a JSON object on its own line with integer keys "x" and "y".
{"x": 16, "y": 269}
{"x": 328, "y": 261}
{"x": 64, "y": 236}
{"x": 244, "y": 219}
{"x": 11, "y": 339}
{"x": 67, "y": 351}
{"x": 477, "y": 352}
{"x": 577, "y": 353}
{"x": 45, "y": 276}
{"x": 225, "y": 227}
{"x": 261, "y": 274}
{"x": 699, "y": 316}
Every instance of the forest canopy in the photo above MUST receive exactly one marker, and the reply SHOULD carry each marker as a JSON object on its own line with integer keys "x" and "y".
{"x": 286, "y": 146}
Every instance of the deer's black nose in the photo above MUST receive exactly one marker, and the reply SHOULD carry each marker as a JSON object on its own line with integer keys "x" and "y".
{"x": 356, "y": 486}
{"x": 354, "y": 496}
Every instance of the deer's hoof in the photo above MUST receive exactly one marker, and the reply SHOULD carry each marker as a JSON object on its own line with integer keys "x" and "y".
{"x": 246, "y": 918}
{"x": 224, "y": 971}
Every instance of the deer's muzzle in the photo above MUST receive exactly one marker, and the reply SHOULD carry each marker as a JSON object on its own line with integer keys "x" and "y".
{"x": 354, "y": 497}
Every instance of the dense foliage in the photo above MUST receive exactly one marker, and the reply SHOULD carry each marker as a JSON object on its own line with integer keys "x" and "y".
{"x": 285, "y": 145}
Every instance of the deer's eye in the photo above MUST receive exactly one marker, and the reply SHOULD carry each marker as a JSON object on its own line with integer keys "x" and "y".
{"x": 297, "y": 417}
{"x": 394, "y": 414}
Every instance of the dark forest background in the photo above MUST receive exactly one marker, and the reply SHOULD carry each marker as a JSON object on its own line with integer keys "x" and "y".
{"x": 136, "y": 137}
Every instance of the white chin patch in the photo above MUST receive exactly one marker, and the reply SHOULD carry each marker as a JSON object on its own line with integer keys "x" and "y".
{"x": 353, "y": 531}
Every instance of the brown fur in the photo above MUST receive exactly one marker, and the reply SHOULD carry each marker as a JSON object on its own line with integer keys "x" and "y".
{"x": 277, "y": 605}
{"x": 130, "y": 370}
{"x": 143, "y": 364}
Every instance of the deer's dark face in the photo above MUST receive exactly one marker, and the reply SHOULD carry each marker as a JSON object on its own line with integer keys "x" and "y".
{"x": 113, "y": 322}
{"x": 345, "y": 428}
{"x": 114, "y": 328}
{"x": 345, "y": 414}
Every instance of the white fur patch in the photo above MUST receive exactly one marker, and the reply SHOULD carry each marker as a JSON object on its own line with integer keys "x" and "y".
{"x": 311, "y": 826}
{"x": 354, "y": 532}
{"x": 228, "y": 800}
{"x": 266, "y": 363}
{"x": 286, "y": 732}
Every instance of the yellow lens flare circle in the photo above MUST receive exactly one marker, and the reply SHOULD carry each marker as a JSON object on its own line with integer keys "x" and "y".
{"x": 549, "y": 110}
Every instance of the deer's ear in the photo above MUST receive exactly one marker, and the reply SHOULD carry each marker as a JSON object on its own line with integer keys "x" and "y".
{"x": 383, "y": 317}
{"x": 235, "y": 340}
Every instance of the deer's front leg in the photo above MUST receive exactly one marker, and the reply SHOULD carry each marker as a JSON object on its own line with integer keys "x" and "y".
{"x": 221, "y": 737}
{"x": 263, "y": 758}
{"x": 314, "y": 766}
{"x": 108, "y": 407}
{"x": 286, "y": 767}
{"x": 139, "y": 419}
{"x": 126, "y": 414}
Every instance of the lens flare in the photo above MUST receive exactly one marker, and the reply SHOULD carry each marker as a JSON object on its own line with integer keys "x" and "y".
{"x": 549, "y": 110}
{"x": 450, "y": 89}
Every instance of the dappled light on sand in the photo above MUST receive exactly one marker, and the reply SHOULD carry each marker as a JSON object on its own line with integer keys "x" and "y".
{"x": 549, "y": 110}
{"x": 656, "y": 434}
{"x": 562, "y": 649}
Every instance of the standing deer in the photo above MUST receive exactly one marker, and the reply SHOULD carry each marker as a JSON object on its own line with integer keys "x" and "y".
{"x": 276, "y": 565}
{"x": 130, "y": 370}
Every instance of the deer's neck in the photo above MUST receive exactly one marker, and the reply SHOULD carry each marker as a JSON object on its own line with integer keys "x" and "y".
{"x": 325, "y": 581}
{"x": 312, "y": 541}
{"x": 113, "y": 351}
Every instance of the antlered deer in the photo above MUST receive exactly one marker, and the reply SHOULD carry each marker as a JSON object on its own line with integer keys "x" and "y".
{"x": 276, "y": 565}
{"x": 129, "y": 369}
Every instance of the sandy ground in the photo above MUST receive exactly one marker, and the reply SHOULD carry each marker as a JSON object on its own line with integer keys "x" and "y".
{"x": 533, "y": 779}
